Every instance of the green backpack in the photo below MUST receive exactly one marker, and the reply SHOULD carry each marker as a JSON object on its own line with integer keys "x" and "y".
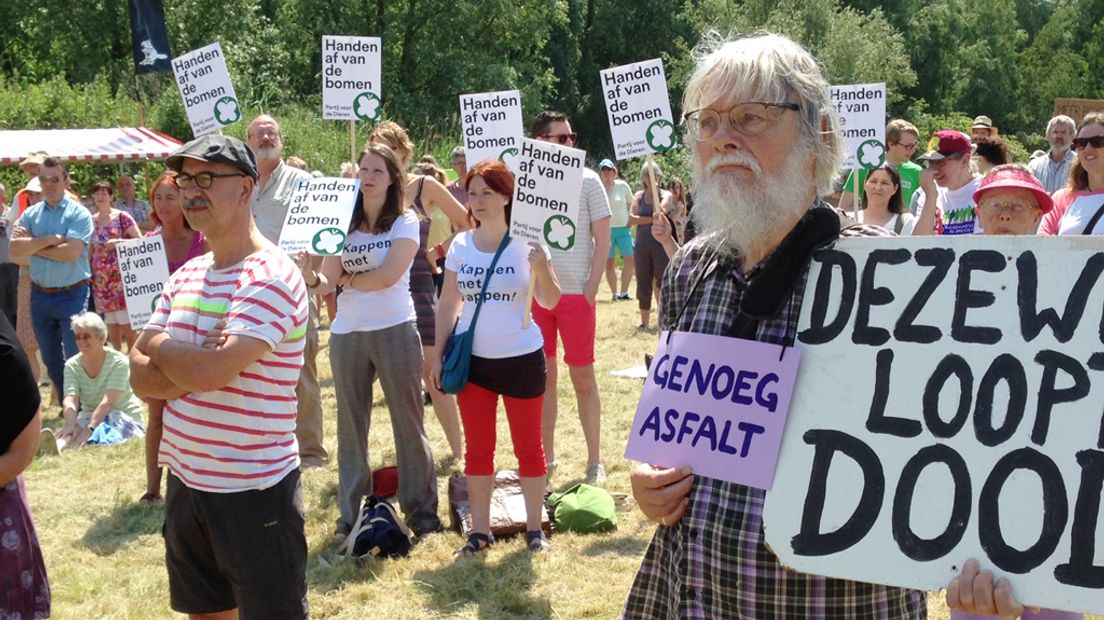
{"x": 583, "y": 508}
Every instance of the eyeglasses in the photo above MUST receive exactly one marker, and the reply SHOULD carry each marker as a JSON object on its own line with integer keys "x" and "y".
{"x": 909, "y": 147}
{"x": 938, "y": 163}
{"x": 45, "y": 180}
{"x": 996, "y": 208}
{"x": 202, "y": 180}
{"x": 1097, "y": 142}
{"x": 751, "y": 118}
{"x": 560, "y": 138}
{"x": 82, "y": 336}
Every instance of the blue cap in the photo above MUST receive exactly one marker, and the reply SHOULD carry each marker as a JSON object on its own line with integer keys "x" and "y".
{"x": 605, "y": 163}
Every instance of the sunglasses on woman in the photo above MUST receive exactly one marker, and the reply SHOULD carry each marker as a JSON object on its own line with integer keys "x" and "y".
{"x": 1097, "y": 142}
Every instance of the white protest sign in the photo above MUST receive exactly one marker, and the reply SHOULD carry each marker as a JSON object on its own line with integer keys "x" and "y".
{"x": 492, "y": 126}
{"x": 715, "y": 404}
{"x": 319, "y": 216}
{"x": 351, "y": 78}
{"x": 546, "y": 194}
{"x": 144, "y": 269}
{"x": 948, "y": 406}
{"x": 639, "y": 109}
{"x": 862, "y": 118}
{"x": 206, "y": 88}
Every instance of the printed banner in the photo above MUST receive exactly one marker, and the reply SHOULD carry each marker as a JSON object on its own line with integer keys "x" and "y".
{"x": 546, "y": 194}
{"x": 144, "y": 268}
{"x": 492, "y": 126}
{"x": 862, "y": 118}
{"x": 639, "y": 109}
{"x": 208, "y": 93}
{"x": 318, "y": 218}
{"x": 351, "y": 78}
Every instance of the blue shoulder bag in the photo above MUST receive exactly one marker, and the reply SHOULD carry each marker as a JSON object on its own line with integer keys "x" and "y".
{"x": 458, "y": 349}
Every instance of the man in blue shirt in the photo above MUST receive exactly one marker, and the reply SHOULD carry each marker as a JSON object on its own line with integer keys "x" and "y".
{"x": 55, "y": 234}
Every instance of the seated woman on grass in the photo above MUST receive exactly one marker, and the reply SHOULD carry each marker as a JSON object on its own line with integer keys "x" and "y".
{"x": 99, "y": 406}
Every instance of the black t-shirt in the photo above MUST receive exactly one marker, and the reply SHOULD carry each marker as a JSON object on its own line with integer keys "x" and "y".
{"x": 18, "y": 386}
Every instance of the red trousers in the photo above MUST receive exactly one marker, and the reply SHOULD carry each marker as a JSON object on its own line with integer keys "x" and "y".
{"x": 478, "y": 412}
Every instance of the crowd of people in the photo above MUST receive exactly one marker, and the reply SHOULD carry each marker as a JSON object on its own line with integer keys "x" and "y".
{"x": 225, "y": 371}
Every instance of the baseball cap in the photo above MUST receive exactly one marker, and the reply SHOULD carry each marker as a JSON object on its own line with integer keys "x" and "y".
{"x": 606, "y": 164}
{"x": 1014, "y": 177}
{"x": 217, "y": 149}
{"x": 982, "y": 122}
{"x": 947, "y": 143}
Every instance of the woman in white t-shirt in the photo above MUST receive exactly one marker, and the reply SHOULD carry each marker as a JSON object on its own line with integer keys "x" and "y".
{"x": 881, "y": 201}
{"x": 1081, "y": 203}
{"x": 374, "y": 334}
{"x": 507, "y": 356}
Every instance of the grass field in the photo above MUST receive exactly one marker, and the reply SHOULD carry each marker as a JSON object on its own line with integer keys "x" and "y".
{"x": 105, "y": 555}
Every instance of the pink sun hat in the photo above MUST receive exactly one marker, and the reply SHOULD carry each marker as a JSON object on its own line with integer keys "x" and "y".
{"x": 1014, "y": 177}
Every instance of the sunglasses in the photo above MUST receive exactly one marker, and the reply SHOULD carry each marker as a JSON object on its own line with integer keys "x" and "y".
{"x": 938, "y": 163}
{"x": 1097, "y": 142}
{"x": 560, "y": 138}
{"x": 45, "y": 180}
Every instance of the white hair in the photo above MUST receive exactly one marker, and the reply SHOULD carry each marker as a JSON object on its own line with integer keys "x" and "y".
{"x": 1062, "y": 119}
{"x": 655, "y": 170}
{"x": 89, "y": 321}
{"x": 774, "y": 69}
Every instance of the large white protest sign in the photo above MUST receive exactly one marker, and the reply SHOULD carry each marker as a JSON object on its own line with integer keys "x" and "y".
{"x": 862, "y": 118}
{"x": 492, "y": 126}
{"x": 948, "y": 406}
{"x": 206, "y": 88}
{"x": 639, "y": 109}
{"x": 546, "y": 194}
{"x": 144, "y": 268}
{"x": 319, "y": 216}
{"x": 351, "y": 78}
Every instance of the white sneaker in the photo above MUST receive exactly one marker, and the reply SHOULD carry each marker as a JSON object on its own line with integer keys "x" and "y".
{"x": 47, "y": 443}
{"x": 595, "y": 474}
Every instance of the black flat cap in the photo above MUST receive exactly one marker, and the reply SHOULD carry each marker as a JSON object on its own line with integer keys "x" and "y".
{"x": 217, "y": 149}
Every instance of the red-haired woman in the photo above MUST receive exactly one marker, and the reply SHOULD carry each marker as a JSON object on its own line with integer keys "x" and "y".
{"x": 182, "y": 244}
{"x": 507, "y": 355}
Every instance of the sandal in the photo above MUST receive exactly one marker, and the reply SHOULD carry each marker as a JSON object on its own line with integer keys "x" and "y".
{"x": 537, "y": 542}
{"x": 476, "y": 542}
{"x": 150, "y": 498}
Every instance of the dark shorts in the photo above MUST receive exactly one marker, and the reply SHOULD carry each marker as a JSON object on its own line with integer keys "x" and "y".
{"x": 243, "y": 550}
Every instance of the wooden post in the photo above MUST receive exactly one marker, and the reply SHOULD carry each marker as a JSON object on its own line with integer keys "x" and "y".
{"x": 352, "y": 141}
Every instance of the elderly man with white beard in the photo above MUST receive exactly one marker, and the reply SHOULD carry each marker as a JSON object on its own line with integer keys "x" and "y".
{"x": 764, "y": 149}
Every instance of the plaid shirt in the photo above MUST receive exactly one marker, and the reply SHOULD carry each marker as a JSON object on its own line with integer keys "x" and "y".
{"x": 714, "y": 563}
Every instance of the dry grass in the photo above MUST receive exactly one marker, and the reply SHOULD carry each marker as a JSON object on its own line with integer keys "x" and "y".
{"x": 105, "y": 556}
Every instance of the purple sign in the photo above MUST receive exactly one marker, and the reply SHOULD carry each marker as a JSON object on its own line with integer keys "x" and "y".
{"x": 715, "y": 404}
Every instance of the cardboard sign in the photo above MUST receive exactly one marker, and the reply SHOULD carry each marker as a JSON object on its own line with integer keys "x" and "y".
{"x": 492, "y": 126}
{"x": 144, "y": 268}
{"x": 206, "y": 88}
{"x": 1077, "y": 108}
{"x": 862, "y": 118}
{"x": 319, "y": 216}
{"x": 351, "y": 78}
{"x": 949, "y": 406}
{"x": 639, "y": 109}
{"x": 546, "y": 195}
{"x": 715, "y": 404}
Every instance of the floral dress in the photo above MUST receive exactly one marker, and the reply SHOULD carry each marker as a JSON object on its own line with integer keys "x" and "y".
{"x": 24, "y": 590}
{"x": 107, "y": 283}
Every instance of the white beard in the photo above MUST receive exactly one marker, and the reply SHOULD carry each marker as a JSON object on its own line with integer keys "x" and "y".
{"x": 267, "y": 153}
{"x": 734, "y": 213}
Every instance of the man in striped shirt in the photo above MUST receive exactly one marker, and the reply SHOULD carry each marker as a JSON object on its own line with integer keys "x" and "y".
{"x": 224, "y": 349}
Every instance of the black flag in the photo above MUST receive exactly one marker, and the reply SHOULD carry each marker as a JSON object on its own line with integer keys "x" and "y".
{"x": 150, "y": 42}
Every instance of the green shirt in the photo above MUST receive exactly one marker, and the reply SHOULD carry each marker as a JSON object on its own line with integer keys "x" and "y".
{"x": 115, "y": 375}
{"x": 910, "y": 180}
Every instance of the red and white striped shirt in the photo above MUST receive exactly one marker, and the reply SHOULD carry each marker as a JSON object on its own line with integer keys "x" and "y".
{"x": 240, "y": 437}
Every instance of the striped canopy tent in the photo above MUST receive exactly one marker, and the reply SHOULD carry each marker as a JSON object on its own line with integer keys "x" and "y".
{"x": 86, "y": 145}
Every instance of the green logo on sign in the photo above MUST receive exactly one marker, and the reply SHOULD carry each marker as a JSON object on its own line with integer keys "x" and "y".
{"x": 871, "y": 154}
{"x": 227, "y": 111}
{"x": 559, "y": 232}
{"x": 328, "y": 241}
{"x": 661, "y": 135}
{"x": 507, "y": 157}
{"x": 366, "y": 106}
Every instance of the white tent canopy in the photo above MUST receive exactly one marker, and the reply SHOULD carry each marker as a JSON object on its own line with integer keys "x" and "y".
{"x": 86, "y": 145}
